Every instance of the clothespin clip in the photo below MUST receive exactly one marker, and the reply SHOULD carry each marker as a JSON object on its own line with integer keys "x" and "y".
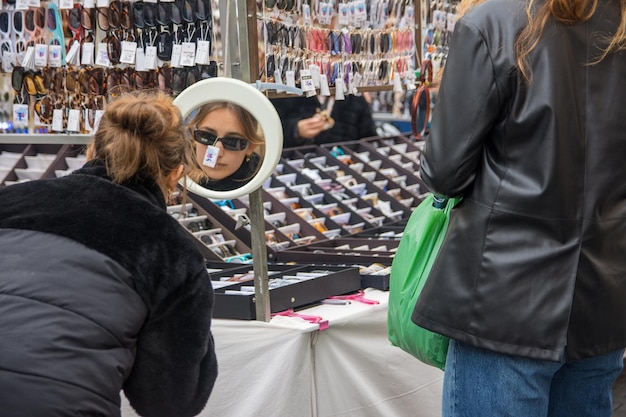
{"x": 355, "y": 297}
{"x": 323, "y": 323}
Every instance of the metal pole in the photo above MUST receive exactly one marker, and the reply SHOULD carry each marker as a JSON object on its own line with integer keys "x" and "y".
{"x": 236, "y": 21}
{"x": 259, "y": 255}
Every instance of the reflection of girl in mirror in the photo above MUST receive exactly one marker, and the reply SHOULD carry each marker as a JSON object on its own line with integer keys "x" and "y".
{"x": 229, "y": 145}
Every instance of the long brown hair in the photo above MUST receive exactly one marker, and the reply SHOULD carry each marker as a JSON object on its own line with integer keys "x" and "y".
{"x": 567, "y": 12}
{"x": 142, "y": 135}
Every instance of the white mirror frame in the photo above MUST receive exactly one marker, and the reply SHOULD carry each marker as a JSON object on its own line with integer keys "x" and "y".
{"x": 244, "y": 95}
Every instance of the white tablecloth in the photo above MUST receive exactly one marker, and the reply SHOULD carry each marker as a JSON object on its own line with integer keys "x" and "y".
{"x": 287, "y": 368}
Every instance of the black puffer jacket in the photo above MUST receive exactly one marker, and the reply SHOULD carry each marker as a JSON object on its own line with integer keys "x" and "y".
{"x": 100, "y": 290}
{"x": 353, "y": 119}
{"x": 534, "y": 259}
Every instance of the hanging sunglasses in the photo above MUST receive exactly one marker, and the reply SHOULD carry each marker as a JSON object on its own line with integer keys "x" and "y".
{"x": 5, "y": 20}
{"x": 176, "y": 12}
{"x": 203, "y": 10}
{"x": 34, "y": 24}
{"x": 126, "y": 18}
{"x": 230, "y": 143}
{"x": 187, "y": 12}
{"x": 150, "y": 14}
{"x": 114, "y": 47}
{"x": 74, "y": 22}
{"x": 44, "y": 107}
{"x": 138, "y": 14}
{"x": 164, "y": 13}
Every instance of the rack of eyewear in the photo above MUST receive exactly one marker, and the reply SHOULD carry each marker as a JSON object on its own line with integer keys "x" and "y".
{"x": 352, "y": 46}
{"x": 440, "y": 16}
{"x": 62, "y": 60}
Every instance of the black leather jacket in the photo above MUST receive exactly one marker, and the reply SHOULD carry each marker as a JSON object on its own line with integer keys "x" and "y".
{"x": 535, "y": 256}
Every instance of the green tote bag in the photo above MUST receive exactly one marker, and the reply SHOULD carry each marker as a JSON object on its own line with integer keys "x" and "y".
{"x": 418, "y": 248}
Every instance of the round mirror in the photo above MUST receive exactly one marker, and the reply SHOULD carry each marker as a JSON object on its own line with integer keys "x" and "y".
{"x": 239, "y": 93}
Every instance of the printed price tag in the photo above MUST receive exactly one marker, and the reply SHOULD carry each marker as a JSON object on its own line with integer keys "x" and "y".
{"x": 150, "y": 62}
{"x": 188, "y": 54}
{"x": 177, "y": 50}
{"x": 102, "y": 55}
{"x": 210, "y": 157}
{"x": 129, "y": 52}
{"x": 41, "y": 55}
{"x": 324, "y": 90}
{"x": 86, "y": 56}
{"x": 20, "y": 115}
{"x": 339, "y": 86}
{"x": 202, "y": 53}
{"x": 306, "y": 83}
{"x": 73, "y": 120}
{"x": 57, "y": 120}
{"x": 55, "y": 56}
{"x": 290, "y": 78}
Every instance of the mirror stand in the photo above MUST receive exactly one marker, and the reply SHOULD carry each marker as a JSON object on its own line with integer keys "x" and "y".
{"x": 251, "y": 99}
{"x": 259, "y": 256}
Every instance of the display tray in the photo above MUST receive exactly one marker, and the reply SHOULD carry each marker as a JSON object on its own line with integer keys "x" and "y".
{"x": 301, "y": 285}
{"x": 357, "y": 250}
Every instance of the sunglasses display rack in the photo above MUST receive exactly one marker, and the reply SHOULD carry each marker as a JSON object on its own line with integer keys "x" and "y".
{"x": 19, "y": 163}
{"x": 321, "y": 210}
{"x": 215, "y": 241}
{"x": 349, "y": 46}
{"x": 63, "y": 61}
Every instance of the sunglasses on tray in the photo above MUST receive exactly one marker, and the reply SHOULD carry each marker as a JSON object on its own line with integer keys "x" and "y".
{"x": 230, "y": 143}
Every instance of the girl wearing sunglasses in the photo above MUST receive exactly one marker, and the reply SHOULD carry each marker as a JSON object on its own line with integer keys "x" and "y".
{"x": 229, "y": 145}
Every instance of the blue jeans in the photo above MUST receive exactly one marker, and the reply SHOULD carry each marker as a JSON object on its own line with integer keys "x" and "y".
{"x": 481, "y": 383}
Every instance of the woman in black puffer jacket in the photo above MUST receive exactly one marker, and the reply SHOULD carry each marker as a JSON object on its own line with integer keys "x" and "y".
{"x": 101, "y": 289}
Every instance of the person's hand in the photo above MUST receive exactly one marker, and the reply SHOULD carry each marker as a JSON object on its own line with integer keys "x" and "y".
{"x": 311, "y": 127}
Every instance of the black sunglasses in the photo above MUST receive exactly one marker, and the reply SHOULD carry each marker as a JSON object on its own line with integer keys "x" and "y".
{"x": 230, "y": 143}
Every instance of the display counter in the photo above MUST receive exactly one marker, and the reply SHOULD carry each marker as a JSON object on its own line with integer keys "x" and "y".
{"x": 290, "y": 368}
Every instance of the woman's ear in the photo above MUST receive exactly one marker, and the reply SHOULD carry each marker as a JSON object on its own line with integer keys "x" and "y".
{"x": 173, "y": 177}
{"x": 251, "y": 148}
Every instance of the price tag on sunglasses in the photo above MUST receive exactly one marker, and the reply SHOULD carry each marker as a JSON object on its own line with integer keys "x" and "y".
{"x": 20, "y": 115}
{"x": 306, "y": 14}
{"x": 102, "y": 55}
{"x": 55, "y": 56}
{"x": 339, "y": 87}
{"x": 72, "y": 55}
{"x": 22, "y": 4}
{"x": 129, "y": 51}
{"x": 177, "y": 50}
{"x": 188, "y": 54}
{"x": 306, "y": 82}
{"x": 140, "y": 60}
{"x": 324, "y": 90}
{"x": 210, "y": 156}
{"x": 97, "y": 118}
{"x": 9, "y": 61}
{"x": 73, "y": 120}
{"x": 41, "y": 55}
{"x": 86, "y": 56}
{"x": 66, "y": 4}
{"x": 343, "y": 18}
{"x": 57, "y": 120}
{"x": 202, "y": 53}
{"x": 150, "y": 60}
{"x": 290, "y": 78}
